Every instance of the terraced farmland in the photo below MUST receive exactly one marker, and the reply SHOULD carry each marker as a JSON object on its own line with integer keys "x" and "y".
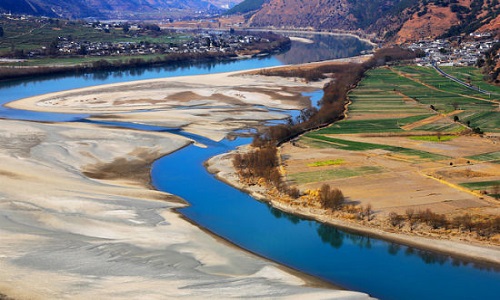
{"x": 407, "y": 141}
{"x": 387, "y": 99}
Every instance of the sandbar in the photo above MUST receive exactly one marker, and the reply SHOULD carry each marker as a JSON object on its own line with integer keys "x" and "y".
{"x": 79, "y": 219}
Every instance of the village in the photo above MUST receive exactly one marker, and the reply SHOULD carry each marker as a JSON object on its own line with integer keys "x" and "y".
{"x": 454, "y": 51}
{"x": 221, "y": 42}
{"x": 119, "y": 38}
{"x": 215, "y": 41}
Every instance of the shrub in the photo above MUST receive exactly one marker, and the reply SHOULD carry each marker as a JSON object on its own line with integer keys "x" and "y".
{"x": 463, "y": 222}
{"x": 396, "y": 219}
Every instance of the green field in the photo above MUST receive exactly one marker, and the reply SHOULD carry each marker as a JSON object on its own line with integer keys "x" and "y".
{"x": 400, "y": 95}
{"x": 472, "y": 75}
{"x": 324, "y": 163}
{"x": 337, "y": 173}
{"x": 371, "y": 125}
{"x": 410, "y": 99}
{"x": 433, "y": 138}
{"x": 321, "y": 141}
{"x": 488, "y": 121}
{"x": 492, "y": 188}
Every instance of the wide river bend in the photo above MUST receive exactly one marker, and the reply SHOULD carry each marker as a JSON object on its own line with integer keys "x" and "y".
{"x": 382, "y": 269}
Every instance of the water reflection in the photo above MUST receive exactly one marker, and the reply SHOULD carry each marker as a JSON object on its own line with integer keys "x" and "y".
{"x": 325, "y": 47}
{"x": 280, "y": 214}
{"x": 339, "y": 239}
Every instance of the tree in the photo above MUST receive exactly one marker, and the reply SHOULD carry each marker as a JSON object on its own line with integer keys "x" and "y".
{"x": 410, "y": 216}
{"x": 464, "y": 222}
{"x": 330, "y": 198}
{"x": 1, "y": 31}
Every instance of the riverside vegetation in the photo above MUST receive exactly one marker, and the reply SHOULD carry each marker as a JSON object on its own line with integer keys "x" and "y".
{"x": 261, "y": 165}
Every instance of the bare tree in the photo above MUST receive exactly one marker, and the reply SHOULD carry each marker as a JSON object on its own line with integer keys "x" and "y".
{"x": 396, "y": 219}
{"x": 330, "y": 198}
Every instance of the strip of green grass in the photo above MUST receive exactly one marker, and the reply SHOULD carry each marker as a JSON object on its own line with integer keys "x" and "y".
{"x": 481, "y": 185}
{"x": 488, "y": 121}
{"x": 359, "y": 146}
{"x": 491, "y": 157}
{"x": 338, "y": 173}
{"x": 330, "y": 162}
{"x": 433, "y": 138}
{"x": 371, "y": 126}
{"x": 448, "y": 127}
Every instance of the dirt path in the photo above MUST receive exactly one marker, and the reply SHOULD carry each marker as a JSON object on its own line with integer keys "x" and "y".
{"x": 430, "y": 120}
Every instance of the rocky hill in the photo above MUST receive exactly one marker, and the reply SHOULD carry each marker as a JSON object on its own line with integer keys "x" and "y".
{"x": 396, "y": 20}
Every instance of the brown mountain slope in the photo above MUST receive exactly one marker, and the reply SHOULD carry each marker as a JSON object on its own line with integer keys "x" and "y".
{"x": 436, "y": 22}
{"x": 394, "y": 20}
{"x": 316, "y": 14}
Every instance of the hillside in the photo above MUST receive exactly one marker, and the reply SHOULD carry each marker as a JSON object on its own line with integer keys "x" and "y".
{"x": 395, "y": 20}
{"x": 129, "y": 9}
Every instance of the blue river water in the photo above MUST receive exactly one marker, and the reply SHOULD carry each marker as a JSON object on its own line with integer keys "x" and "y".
{"x": 382, "y": 269}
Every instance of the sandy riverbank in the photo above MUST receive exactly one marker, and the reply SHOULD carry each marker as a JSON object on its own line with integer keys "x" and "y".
{"x": 222, "y": 166}
{"x": 77, "y": 216}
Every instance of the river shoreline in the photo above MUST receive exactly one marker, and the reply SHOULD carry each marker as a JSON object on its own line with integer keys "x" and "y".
{"x": 221, "y": 166}
{"x": 73, "y": 105}
{"x": 78, "y": 218}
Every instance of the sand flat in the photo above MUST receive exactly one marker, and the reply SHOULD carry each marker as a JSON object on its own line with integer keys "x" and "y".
{"x": 79, "y": 220}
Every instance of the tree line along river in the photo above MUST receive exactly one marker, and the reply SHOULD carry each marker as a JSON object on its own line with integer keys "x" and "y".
{"x": 382, "y": 269}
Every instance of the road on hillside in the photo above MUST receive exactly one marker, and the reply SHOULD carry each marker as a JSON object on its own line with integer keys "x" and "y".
{"x": 469, "y": 86}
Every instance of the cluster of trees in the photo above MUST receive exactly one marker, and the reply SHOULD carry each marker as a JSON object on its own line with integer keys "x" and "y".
{"x": 308, "y": 74}
{"x": 262, "y": 163}
{"x": 482, "y": 226}
{"x": 11, "y": 73}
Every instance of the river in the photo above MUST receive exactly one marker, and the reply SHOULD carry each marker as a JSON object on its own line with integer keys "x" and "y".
{"x": 383, "y": 269}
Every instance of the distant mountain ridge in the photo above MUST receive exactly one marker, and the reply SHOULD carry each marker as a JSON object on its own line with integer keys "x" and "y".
{"x": 392, "y": 20}
{"x": 396, "y": 20}
{"x": 75, "y": 9}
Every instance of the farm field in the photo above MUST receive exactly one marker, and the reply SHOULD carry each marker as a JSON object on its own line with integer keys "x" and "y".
{"x": 472, "y": 75}
{"x": 34, "y": 33}
{"x": 409, "y": 140}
